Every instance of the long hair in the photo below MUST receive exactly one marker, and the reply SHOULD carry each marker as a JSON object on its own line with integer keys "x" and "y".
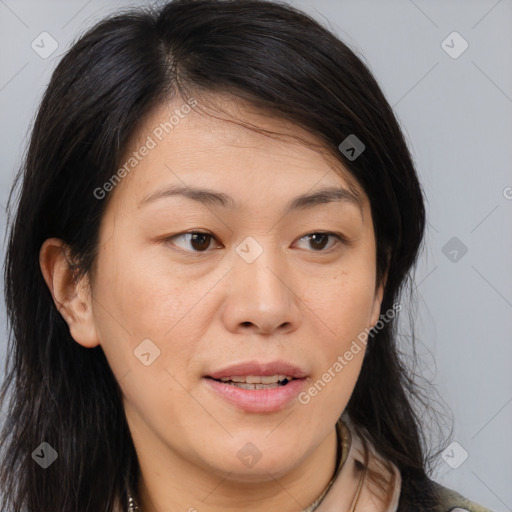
{"x": 264, "y": 52}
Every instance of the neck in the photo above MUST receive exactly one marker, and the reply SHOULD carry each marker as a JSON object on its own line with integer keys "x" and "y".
{"x": 200, "y": 489}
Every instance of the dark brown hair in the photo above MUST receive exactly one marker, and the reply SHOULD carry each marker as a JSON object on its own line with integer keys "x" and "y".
{"x": 278, "y": 59}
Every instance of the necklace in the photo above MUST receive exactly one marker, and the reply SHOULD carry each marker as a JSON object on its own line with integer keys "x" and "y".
{"x": 344, "y": 440}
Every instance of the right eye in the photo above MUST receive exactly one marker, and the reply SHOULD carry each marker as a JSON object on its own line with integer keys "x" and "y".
{"x": 199, "y": 241}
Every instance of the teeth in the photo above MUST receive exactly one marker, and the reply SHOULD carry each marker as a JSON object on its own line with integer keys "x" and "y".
{"x": 254, "y": 379}
{"x": 243, "y": 385}
{"x": 234, "y": 379}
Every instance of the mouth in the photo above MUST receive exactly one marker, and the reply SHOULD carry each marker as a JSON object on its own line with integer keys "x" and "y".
{"x": 254, "y": 382}
{"x": 258, "y": 387}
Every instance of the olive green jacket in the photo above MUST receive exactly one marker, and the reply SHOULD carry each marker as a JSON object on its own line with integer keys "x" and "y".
{"x": 445, "y": 500}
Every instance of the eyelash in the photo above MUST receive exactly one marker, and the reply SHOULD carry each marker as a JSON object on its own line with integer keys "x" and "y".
{"x": 340, "y": 238}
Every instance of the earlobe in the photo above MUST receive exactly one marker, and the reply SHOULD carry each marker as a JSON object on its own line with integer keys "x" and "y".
{"x": 72, "y": 297}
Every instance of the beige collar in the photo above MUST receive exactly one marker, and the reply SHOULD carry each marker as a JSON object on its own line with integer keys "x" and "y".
{"x": 353, "y": 489}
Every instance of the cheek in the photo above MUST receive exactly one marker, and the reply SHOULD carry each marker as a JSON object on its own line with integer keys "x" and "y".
{"x": 138, "y": 287}
{"x": 340, "y": 344}
{"x": 343, "y": 306}
{"x": 137, "y": 299}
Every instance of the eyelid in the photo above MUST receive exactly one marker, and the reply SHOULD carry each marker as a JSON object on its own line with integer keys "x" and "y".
{"x": 343, "y": 240}
{"x": 338, "y": 236}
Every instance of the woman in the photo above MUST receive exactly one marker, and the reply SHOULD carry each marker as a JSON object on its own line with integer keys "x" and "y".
{"x": 218, "y": 213}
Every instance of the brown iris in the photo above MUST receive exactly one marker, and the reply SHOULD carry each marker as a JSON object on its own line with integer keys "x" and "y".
{"x": 200, "y": 241}
{"x": 316, "y": 237}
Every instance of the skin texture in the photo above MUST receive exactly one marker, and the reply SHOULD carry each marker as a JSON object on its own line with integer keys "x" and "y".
{"x": 299, "y": 302}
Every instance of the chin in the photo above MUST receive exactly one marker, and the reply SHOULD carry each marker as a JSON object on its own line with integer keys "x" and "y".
{"x": 250, "y": 463}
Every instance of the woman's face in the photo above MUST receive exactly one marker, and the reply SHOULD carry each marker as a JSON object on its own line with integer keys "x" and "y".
{"x": 260, "y": 292}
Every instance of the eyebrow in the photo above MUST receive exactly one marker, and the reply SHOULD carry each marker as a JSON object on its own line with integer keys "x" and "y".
{"x": 220, "y": 199}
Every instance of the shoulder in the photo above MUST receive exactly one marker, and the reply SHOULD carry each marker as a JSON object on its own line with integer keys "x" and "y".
{"x": 448, "y": 500}
{"x": 428, "y": 496}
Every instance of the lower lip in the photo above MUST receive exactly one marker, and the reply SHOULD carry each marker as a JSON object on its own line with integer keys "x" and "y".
{"x": 258, "y": 400}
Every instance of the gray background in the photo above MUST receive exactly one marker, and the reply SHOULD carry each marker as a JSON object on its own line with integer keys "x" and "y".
{"x": 457, "y": 117}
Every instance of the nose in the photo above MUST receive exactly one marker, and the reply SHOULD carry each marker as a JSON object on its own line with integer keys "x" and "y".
{"x": 260, "y": 296}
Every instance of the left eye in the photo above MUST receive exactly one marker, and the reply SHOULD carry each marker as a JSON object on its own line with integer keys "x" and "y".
{"x": 318, "y": 241}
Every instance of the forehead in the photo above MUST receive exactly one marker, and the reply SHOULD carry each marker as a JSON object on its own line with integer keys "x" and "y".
{"x": 228, "y": 144}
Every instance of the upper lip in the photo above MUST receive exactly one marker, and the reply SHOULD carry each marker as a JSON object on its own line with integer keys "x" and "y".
{"x": 262, "y": 369}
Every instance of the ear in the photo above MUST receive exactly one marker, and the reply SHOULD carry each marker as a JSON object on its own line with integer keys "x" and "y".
{"x": 377, "y": 301}
{"x": 380, "y": 287}
{"x": 71, "y": 296}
